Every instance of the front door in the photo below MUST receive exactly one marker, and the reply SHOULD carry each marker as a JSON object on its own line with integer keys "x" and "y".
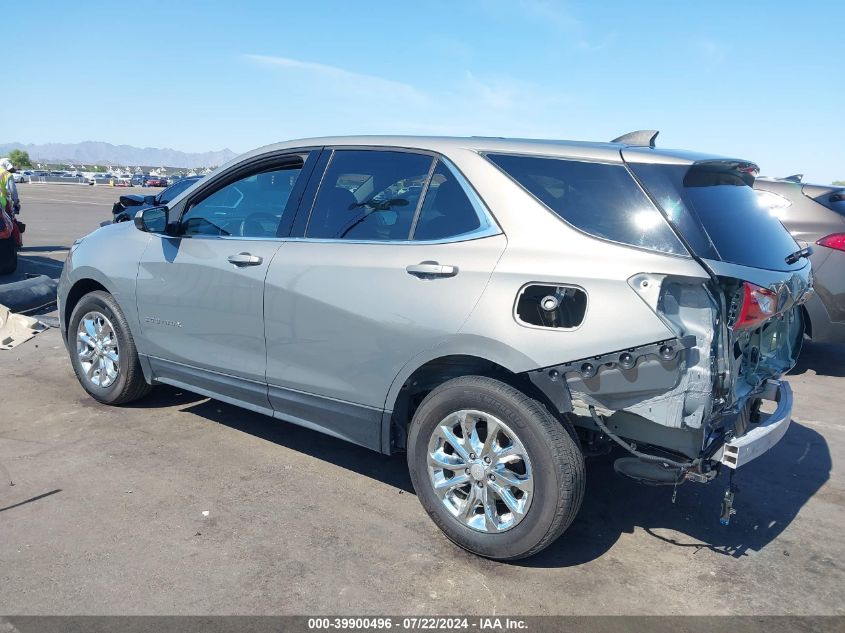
{"x": 200, "y": 294}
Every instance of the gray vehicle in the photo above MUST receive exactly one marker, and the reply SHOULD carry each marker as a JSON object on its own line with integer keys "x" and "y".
{"x": 815, "y": 215}
{"x": 497, "y": 309}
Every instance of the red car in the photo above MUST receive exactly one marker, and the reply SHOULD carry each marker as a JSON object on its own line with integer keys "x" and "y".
{"x": 156, "y": 181}
{"x": 10, "y": 242}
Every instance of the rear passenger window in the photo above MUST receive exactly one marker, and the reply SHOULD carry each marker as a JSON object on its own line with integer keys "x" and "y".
{"x": 369, "y": 195}
{"x": 600, "y": 199}
{"x": 447, "y": 211}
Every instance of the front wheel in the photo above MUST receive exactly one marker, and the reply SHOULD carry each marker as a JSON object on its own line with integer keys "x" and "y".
{"x": 102, "y": 351}
{"x": 493, "y": 468}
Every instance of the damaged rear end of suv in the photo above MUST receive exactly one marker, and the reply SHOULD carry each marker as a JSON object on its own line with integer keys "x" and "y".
{"x": 710, "y": 396}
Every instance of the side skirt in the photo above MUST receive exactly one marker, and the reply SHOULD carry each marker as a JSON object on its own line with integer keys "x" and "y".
{"x": 348, "y": 421}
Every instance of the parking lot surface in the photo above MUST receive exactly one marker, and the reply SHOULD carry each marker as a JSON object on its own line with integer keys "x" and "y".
{"x": 183, "y": 505}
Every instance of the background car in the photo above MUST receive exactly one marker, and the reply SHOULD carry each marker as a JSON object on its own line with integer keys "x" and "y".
{"x": 156, "y": 181}
{"x": 132, "y": 203}
{"x": 815, "y": 214}
{"x": 102, "y": 179}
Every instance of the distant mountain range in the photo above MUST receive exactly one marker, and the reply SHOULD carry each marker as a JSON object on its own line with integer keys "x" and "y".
{"x": 93, "y": 152}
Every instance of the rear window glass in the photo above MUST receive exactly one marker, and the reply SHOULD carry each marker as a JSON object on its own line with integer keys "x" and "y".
{"x": 597, "y": 198}
{"x": 714, "y": 207}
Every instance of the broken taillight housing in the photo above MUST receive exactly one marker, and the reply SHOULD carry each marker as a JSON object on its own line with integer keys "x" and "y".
{"x": 835, "y": 241}
{"x": 758, "y": 305}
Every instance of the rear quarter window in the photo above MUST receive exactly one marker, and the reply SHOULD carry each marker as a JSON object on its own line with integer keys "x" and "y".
{"x": 600, "y": 199}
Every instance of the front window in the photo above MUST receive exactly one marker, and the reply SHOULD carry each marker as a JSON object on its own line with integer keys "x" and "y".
{"x": 249, "y": 207}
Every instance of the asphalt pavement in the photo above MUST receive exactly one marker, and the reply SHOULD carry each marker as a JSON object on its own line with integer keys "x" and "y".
{"x": 183, "y": 505}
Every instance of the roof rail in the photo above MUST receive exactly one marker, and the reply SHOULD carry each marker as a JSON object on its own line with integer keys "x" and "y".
{"x": 640, "y": 138}
{"x": 794, "y": 178}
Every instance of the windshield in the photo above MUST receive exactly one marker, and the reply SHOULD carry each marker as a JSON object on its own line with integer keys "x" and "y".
{"x": 715, "y": 209}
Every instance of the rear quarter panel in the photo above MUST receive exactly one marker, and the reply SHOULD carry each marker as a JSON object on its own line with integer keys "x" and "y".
{"x": 543, "y": 248}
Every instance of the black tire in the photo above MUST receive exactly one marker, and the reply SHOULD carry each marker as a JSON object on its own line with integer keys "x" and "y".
{"x": 556, "y": 459}
{"x": 8, "y": 256}
{"x": 130, "y": 384}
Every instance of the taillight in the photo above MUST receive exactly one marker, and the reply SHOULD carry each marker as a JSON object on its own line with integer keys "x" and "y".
{"x": 758, "y": 305}
{"x": 834, "y": 240}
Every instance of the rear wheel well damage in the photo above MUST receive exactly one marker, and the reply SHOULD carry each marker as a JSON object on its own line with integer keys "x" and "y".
{"x": 440, "y": 370}
{"x": 77, "y": 291}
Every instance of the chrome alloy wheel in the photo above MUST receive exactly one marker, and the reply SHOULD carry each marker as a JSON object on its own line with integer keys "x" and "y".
{"x": 480, "y": 471}
{"x": 96, "y": 347}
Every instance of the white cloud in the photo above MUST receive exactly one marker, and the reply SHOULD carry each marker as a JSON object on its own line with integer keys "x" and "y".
{"x": 710, "y": 49}
{"x": 360, "y": 83}
{"x": 346, "y": 102}
{"x": 554, "y": 15}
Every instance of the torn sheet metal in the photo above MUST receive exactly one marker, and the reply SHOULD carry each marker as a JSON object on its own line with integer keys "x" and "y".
{"x": 17, "y": 328}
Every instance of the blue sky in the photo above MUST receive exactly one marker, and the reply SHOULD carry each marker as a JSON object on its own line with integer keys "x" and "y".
{"x": 757, "y": 80}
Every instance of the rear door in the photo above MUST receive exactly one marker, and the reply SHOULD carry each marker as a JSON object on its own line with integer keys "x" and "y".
{"x": 391, "y": 260}
{"x": 200, "y": 294}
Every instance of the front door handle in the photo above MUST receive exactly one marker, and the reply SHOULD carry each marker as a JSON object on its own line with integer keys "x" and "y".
{"x": 429, "y": 270}
{"x": 245, "y": 259}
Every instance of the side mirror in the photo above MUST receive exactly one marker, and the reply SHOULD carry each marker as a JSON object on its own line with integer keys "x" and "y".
{"x": 152, "y": 220}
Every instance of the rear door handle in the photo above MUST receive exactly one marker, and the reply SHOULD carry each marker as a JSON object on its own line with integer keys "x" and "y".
{"x": 245, "y": 259}
{"x": 429, "y": 270}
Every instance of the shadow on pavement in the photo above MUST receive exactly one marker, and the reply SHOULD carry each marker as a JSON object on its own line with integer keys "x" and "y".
{"x": 390, "y": 470}
{"x": 31, "y": 499}
{"x": 772, "y": 489}
{"x": 34, "y": 264}
{"x": 824, "y": 359}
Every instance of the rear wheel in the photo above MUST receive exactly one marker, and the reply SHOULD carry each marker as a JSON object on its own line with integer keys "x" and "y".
{"x": 494, "y": 469}
{"x": 102, "y": 351}
{"x": 8, "y": 256}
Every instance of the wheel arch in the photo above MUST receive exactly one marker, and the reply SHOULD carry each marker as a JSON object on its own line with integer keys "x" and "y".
{"x": 88, "y": 279}
{"x": 79, "y": 289}
{"x": 475, "y": 356}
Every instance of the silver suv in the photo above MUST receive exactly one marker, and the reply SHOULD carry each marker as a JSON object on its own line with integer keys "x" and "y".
{"x": 497, "y": 309}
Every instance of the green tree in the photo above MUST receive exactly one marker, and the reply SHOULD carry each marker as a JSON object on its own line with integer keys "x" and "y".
{"x": 20, "y": 158}
{"x": 839, "y": 183}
